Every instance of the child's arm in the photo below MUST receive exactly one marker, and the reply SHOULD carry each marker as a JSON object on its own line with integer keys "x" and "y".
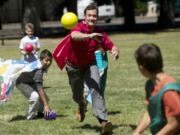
{"x": 171, "y": 102}
{"x": 172, "y": 126}
{"x": 46, "y": 106}
{"x": 23, "y": 52}
{"x": 37, "y": 45}
{"x": 144, "y": 123}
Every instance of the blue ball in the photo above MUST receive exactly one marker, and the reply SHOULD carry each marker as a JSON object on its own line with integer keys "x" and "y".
{"x": 51, "y": 116}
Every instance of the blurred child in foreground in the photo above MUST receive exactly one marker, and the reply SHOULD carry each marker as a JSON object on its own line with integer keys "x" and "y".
{"x": 162, "y": 94}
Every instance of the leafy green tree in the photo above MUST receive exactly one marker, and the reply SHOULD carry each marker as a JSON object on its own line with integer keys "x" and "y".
{"x": 118, "y": 7}
{"x": 140, "y": 7}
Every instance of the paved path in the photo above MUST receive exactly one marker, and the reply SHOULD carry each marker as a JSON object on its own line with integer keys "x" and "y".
{"x": 55, "y": 28}
{"x": 51, "y": 24}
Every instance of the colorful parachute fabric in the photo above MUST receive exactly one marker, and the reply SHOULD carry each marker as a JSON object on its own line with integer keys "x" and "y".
{"x": 9, "y": 72}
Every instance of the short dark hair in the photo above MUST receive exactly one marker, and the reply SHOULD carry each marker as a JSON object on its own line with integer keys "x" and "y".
{"x": 45, "y": 53}
{"x": 92, "y": 6}
{"x": 149, "y": 56}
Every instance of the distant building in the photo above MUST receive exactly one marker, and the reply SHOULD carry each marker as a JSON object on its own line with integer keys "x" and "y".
{"x": 106, "y": 10}
{"x": 152, "y": 9}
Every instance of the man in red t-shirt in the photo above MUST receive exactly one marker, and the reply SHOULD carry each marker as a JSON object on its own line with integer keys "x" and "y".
{"x": 81, "y": 66}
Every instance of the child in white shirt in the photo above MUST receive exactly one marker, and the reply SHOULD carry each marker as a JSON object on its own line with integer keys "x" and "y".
{"x": 29, "y": 56}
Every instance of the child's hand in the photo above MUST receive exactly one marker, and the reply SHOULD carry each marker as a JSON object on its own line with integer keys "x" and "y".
{"x": 115, "y": 52}
{"x": 46, "y": 110}
{"x": 23, "y": 52}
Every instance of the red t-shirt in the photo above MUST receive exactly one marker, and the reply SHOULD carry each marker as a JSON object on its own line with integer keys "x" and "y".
{"x": 82, "y": 52}
{"x": 170, "y": 99}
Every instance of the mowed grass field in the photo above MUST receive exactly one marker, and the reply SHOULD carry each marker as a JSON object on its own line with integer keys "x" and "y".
{"x": 124, "y": 92}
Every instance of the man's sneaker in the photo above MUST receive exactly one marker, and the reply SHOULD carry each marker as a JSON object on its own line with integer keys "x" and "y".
{"x": 106, "y": 128}
{"x": 80, "y": 114}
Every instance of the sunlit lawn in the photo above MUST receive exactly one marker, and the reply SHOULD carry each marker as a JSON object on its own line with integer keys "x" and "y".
{"x": 124, "y": 92}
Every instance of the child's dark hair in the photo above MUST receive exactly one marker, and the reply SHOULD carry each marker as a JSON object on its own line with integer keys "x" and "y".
{"x": 92, "y": 6}
{"x": 45, "y": 53}
{"x": 149, "y": 56}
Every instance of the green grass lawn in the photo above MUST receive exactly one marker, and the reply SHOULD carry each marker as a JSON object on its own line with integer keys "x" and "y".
{"x": 124, "y": 91}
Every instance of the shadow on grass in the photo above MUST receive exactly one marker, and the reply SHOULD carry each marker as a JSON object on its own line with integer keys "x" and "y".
{"x": 98, "y": 128}
{"x": 88, "y": 126}
{"x": 17, "y": 118}
{"x": 60, "y": 115}
{"x": 47, "y": 87}
{"x": 22, "y": 117}
{"x": 133, "y": 127}
{"x": 114, "y": 112}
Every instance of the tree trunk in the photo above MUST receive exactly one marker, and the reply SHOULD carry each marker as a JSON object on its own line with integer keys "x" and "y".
{"x": 0, "y": 18}
{"x": 128, "y": 12}
{"x": 0, "y": 24}
{"x": 166, "y": 18}
{"x": 31, "y": 16}
{"x": 1, "y": 5}
{"x": 48, "y": 9}
{"x": 72, "y": 6}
